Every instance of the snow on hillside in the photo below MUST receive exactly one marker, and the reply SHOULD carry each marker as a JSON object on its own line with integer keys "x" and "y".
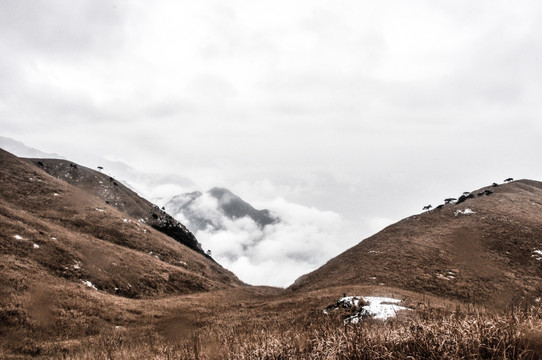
{"x": 374, "y": 307}
{"x": 464, "y": 212}
{"x": 380, "y": 308}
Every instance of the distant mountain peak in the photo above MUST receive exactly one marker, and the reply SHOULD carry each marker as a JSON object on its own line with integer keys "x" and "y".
{"x": 220, "y": 191}
{"x": 200, "y": 215}
{"x": 18, "y": 148}
{"x": 186, "y": 199}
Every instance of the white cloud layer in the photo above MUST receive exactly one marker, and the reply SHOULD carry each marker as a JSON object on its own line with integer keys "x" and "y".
{"x": 302, "y": 240}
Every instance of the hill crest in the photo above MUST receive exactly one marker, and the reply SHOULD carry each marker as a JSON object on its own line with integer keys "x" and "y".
{"x": 482, "y": 249}
{"x": 118, "y": 195}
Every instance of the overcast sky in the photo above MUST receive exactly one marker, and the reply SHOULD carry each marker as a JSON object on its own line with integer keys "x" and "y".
{"x": 366, "y": 110}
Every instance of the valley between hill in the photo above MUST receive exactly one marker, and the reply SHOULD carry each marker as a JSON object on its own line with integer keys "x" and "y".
{"x": 91, "y": 270}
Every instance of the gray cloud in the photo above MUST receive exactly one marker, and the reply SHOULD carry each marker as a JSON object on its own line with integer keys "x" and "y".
{"x": 54, "y": 26}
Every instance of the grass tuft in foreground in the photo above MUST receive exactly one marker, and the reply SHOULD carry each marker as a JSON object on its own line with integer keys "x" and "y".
{"x": 514, "y": 335}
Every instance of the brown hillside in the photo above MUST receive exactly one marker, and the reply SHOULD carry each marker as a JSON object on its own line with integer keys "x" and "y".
{"x": 486, "y": 256}
{"x": 81, "y": 279}
{"x": 52, "y": 229}
{"x": 72, "y": 266}
{"x": 114, "y": 193}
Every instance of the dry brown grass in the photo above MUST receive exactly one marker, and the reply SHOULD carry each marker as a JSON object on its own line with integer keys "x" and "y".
{"x": 486, "y": 257}
{"x": 46, "y": 311}
{"x": 65, "y": 231}
{"x": 427, "y": 335}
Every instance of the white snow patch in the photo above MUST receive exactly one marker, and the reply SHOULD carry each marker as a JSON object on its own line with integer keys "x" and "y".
{"x": 36, "y": 246}
{"x": 125, "y": 220}
{"x": 53, "y": 238}
{"x": 18, "y": 237}
{"x": 100, "y": 210}
{"x": 464, "y": 212}
{"x": 89, "y": 284}
{"x": 537, "y": 254}
{"x": 56, "y": 194}
{"x": 76, "y": 267}
{"x": 349, "y": 301}
{"x": 344, "y": 302}
{"x": 381, "y": 308}
{"x": 443, "y": 277}
{"x": 373, "y": 252}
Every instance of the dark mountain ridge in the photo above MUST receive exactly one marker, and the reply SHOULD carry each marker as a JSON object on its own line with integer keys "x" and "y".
{"x": 234, "y": 207}
{"x": 229, "y": 206}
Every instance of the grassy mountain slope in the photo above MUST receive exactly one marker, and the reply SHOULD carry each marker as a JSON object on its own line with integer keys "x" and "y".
{"x": 61, "y": 230}
{"x": 486, "y": 256}
{"x": 82, "y": 279}
{"x": 114, "y": 193}
{"x": 72, "y": 265}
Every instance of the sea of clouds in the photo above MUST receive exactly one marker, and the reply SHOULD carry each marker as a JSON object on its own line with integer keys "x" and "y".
{"x": 276, "y": 254}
